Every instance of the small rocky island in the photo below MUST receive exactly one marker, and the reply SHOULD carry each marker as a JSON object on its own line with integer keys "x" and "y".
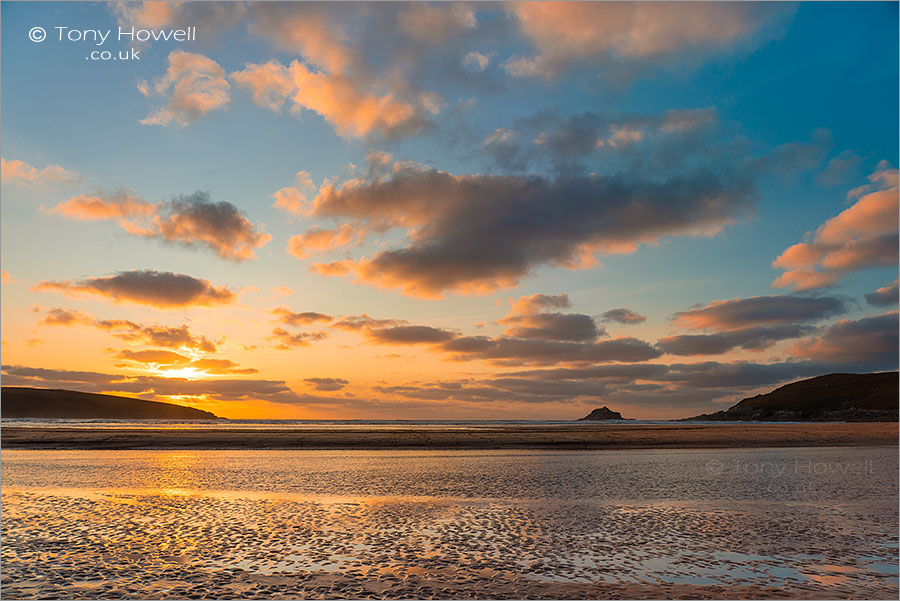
{"x": 41, "y": 403}
{"x": 601, "y": 414}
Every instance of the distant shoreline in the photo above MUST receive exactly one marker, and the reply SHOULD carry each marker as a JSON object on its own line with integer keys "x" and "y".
{"x": 593, "y": 436}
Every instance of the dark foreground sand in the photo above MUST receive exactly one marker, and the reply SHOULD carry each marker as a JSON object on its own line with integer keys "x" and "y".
{"x": 589, "y": 436}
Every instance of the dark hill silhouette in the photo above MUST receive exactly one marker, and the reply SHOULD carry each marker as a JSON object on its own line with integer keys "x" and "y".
{"x": 69, "y": 404}
{"x": 835, "y": 397}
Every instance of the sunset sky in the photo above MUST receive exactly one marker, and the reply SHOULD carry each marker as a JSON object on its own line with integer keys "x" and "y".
{"x": 452, "y": 210}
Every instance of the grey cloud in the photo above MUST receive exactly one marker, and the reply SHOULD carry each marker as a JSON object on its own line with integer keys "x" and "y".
{"x": 552, "y": 326}
{"x": 739, "y": 313}
{"x": 160, "y": 289}
{"x": 481, "y": 232}
{"x": 410, "y": 335}
{"x": 623, "y": 316}
{"x": 870, "y": 342}
{"x": 757, "y": 338}
{"x": 884, "y": 296}
{"x": 287, "y": 316}
{"x": 326, "y": 384}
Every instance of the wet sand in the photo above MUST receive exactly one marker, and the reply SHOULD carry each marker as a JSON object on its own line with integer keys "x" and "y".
{"x": 721, "y": 524}
{"x": 588, "y": 436}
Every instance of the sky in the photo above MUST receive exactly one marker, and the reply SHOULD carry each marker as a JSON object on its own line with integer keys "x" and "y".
{"x": 447, "y": 210}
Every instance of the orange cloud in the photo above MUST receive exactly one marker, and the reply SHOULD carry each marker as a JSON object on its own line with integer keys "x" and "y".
{"x": 268, "y": 83}
{"x": 159, "y": 289}
{"x": 862, "y": 236}
{"x": 155, "y": 357}
{"x": 16, "y": 171}
{"x": 537, "y": 302}
{"x": 317, "y": 240}
{"x": 286, "y": 340}
{"x": 343, "y": 101}
{"x": 352, "y": 110}
{"x": 340, "y": 86}
{"x": 154, "y": 334}
{"x": 191, "y": 221}
{"x": 5, "y": 278}
{"x": 122, "y": 204}
{"x": 192, "y": 86}
{"x": 293, "y": 199}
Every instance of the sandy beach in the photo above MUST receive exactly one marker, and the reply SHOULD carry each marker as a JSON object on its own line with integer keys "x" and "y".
{"x": 588, "y": 436}
{"x": 807, "y": 523}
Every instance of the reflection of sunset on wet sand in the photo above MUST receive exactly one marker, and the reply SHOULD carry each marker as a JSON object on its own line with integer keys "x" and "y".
{"x": 317, "y": 524}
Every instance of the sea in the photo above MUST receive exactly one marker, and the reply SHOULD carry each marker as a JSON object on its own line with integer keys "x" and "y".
{"x": 323, "y": 424}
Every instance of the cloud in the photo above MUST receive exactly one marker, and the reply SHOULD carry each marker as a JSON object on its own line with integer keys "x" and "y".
{"x": 884, "y": 296}
{"x": 623, "y": 316}
{"x": 753, "y": 338}
{"x": 870, "y": 341}
{"x": 477, "y": 60}
{"x": 535, "y": 303}
{"x": 193, "y": 86}
{"x": 738, "y": 374}
{"x": 168, "y": 360}
{"x": 153, "y": 387}
{"x": 334, "y": 76}
{"x": 754, "y": 323}
{"x": 189, "y": 220}
{"x": 293, "y": 199}
{"x": 632, "y": 34}
{"x": 65, "y": 317}
{"x": 154, "y": 357}
{"x": 286, "y": 340}
{"x": 409, "y": 335}
{"x": 326, "y": 384}
{"x": 20, "y": 172}
{"x": 5, "y": 278}
{"x": 552, "y": 326}
{"x": 345, "y": 102}
{"x": 737, "y": 313}
{"x": 269, "y": 83}
{"x": 195, "y": 220}
{"x": 120, "y": 204}
{"x": 517, "y": 351}
{"x": 220, "y": 367}
{"x": 840, "y": 169}
{"x": 318, "y": 240}
{"x": 153, "y": 334}
{"x": 860, "y": 237}
{"x": 435, "y": 23}
{"x": 477, "y": 233}
{"x": 355, "y": 323}
{"x": 533, "y": 337}
{"x": 205, "y": 16}
{"x": 159, "y": 289}
{"x": 287, "y": 316}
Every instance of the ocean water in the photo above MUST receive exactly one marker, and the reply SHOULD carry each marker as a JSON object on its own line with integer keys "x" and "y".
{"x": 789, "y": 522}
{"x": 321, "y": 424}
